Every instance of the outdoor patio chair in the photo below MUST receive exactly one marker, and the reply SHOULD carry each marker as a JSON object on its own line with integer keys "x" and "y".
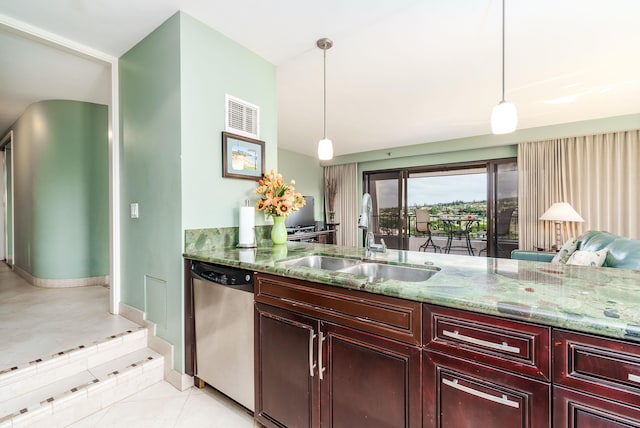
{"x": 502, "y": 230}
{"x": 423, "y": 227}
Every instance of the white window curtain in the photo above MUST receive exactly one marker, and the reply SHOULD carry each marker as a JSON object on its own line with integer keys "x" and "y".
{"x": 597, "y": 174}
{"x": 345, "y": 204}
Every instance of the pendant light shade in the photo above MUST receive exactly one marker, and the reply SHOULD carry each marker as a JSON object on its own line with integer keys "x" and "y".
{"x": 325, "y": 149}
{"x": 325, "y": 146}
{"x": 504, "y": 117}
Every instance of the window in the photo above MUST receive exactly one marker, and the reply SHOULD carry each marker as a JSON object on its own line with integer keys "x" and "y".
{"x": 472, "y": 207}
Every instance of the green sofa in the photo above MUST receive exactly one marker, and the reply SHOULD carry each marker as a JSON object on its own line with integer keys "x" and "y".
{"x": 622, "y": 252}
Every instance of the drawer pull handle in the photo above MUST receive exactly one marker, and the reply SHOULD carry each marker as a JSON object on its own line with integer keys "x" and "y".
{"x": 500, "y": 400}
{"x": 633, "y": 378}
{"x": 504, "y": 346}
{"x": 311, "y": 363}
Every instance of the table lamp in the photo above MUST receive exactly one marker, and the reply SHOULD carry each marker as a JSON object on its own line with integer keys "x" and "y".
{"x": 559, "y": 213}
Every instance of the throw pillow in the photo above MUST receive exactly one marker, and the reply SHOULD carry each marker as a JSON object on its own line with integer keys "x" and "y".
{"x": 588, "y": 258}
{"x": 566, "y": 251}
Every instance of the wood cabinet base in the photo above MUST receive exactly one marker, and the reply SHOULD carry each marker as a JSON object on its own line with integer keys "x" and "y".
{"x": 573, "y": 409}
{"x": 459, "y": 393}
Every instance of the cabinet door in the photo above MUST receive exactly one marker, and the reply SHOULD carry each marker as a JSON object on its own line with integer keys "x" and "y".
{"x": 605, "y": 367}
{"x": 459, "y": 393}
{"x": 368, "y": 381}
{"x": 287, "y": 389}
{"x": 577, "y": 410}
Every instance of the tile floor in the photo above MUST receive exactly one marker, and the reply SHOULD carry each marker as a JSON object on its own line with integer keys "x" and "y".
{"x": 161, "y": 405}
{"x": 36, "y": 322}
{"x": 40, "y": 321}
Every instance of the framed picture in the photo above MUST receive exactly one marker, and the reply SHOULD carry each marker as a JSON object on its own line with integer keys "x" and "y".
{"x": 242, "y": 157}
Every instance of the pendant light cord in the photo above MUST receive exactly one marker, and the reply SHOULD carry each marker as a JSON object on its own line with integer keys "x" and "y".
{"x": 325, "y": 146}
{"x": 324, "y": 93}
{"x": 503, "y": 3}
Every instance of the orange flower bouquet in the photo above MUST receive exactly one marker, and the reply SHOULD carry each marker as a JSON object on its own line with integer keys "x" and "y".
{"x": 277, "y": 198}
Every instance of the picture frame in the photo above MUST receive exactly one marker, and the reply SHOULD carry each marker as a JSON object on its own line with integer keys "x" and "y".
{"x": 242, "y": 157}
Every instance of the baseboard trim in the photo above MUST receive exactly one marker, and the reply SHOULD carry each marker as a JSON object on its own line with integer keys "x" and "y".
{"x": 180, "y": 381}
{"x": 63, "y": 282}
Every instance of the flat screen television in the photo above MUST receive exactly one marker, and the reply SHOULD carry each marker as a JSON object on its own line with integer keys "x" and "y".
{"x": 304, "y": 217}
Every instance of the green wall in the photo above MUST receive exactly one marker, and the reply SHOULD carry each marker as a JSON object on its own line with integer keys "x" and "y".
{"x": 61, "y": 183}
{"x": 212, "y": 66}
{"x": 151, "y": 245}
{"x": 172, "y": 99}
{"x": 308, "y": 174}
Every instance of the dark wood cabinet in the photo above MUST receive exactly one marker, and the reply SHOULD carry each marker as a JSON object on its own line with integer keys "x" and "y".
{"x": 368, "y": 381}
{"x": 574, "y": 409}
{"x": 311, "y": 372}
{"x": 333, "y": 357}
{"x": 484, "y": 371}
{"x": 381, "y": 315}
{"x": 287, "y": 388}
{"x": 458, "y": 393}
{"x": 604, "y": 377}
{"x": 520, "y": 347}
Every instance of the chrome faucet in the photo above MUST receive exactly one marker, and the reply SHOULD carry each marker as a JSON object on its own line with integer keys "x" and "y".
{"x": 364, "y": 222}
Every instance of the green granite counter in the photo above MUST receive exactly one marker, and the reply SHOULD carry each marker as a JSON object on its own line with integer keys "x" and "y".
{"x": 603, "y": 301}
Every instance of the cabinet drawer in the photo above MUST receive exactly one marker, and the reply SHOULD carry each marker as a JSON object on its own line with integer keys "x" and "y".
{"x": 606, "y": 367}
{"x": 460, "y": 393}
{"x": 572, "y": 409}
{"x": 520, "y": 347}
{"x": 387, "y": 316}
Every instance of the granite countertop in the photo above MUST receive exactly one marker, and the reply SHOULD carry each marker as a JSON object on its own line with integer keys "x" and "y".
{"x": 604, "y": 301}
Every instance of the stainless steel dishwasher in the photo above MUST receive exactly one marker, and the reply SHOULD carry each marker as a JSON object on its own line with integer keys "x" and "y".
{"x": 223, "y": 312}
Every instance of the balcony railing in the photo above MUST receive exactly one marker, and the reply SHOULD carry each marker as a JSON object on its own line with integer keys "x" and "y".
{"x": 392, "y": 225}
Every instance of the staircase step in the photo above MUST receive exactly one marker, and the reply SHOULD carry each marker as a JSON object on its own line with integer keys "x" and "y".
{"x": 64, "y": 387}
{"x": 20, "y": 379}
{"x": 87, "y": 391}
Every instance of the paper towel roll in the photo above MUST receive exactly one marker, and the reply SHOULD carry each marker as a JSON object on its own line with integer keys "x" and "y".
{"x": 247, "y": 236}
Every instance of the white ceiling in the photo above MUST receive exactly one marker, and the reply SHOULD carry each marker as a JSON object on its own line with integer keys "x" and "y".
{"x": 401, "y": 72}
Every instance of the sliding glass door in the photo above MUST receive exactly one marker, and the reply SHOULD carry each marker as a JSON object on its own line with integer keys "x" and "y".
{"x": 469, "y": 208}
{"x": 456, "y": 201}
{"x": 503, "y": 208}
{"x": 386, "y": 190}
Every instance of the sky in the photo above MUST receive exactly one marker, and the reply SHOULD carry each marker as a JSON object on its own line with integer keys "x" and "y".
{"x": 433, "y": 190}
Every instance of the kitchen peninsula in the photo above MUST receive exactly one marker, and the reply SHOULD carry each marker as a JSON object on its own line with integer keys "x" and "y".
{"x": 504, "y": 342}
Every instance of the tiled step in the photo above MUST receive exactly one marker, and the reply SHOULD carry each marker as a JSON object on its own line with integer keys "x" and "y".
{"x": 78, "y": 382}
{"x": 22, "y": 378}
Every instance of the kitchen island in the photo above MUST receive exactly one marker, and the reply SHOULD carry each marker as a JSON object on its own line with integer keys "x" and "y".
{"x": 511, "y": 342}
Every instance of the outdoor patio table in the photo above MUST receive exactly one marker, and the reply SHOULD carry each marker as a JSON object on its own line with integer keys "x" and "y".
{"x": 458, "y": 227}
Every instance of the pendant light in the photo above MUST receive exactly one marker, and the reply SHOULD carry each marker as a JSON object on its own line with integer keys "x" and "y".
{"x": 325, "y": 146}
{"x": 504, "y": 117}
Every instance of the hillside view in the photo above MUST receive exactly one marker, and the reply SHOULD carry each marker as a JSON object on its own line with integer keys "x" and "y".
{"x": 477, "y": 209}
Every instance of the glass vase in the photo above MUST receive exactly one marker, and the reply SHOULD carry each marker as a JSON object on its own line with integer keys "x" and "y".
{"x": 278, "y": 231}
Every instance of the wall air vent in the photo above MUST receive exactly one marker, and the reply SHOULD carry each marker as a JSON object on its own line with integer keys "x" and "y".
{"x": 242, "y": 118}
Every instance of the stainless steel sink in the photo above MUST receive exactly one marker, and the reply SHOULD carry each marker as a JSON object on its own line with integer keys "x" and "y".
{"x": 376, "y": 272}
{"x": 322, "y": 262}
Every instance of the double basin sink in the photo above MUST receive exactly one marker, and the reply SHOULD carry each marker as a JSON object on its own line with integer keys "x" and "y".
{"x": 375, "y": 272}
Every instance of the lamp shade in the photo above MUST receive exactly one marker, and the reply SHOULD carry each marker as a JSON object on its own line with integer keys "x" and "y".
{"x": 561, "y": 211}
{"x": 504, "y": 118}
{"x": 325, "y": 149}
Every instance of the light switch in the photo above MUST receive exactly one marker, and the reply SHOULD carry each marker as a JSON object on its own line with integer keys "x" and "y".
{"x": 134, "y": 210}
